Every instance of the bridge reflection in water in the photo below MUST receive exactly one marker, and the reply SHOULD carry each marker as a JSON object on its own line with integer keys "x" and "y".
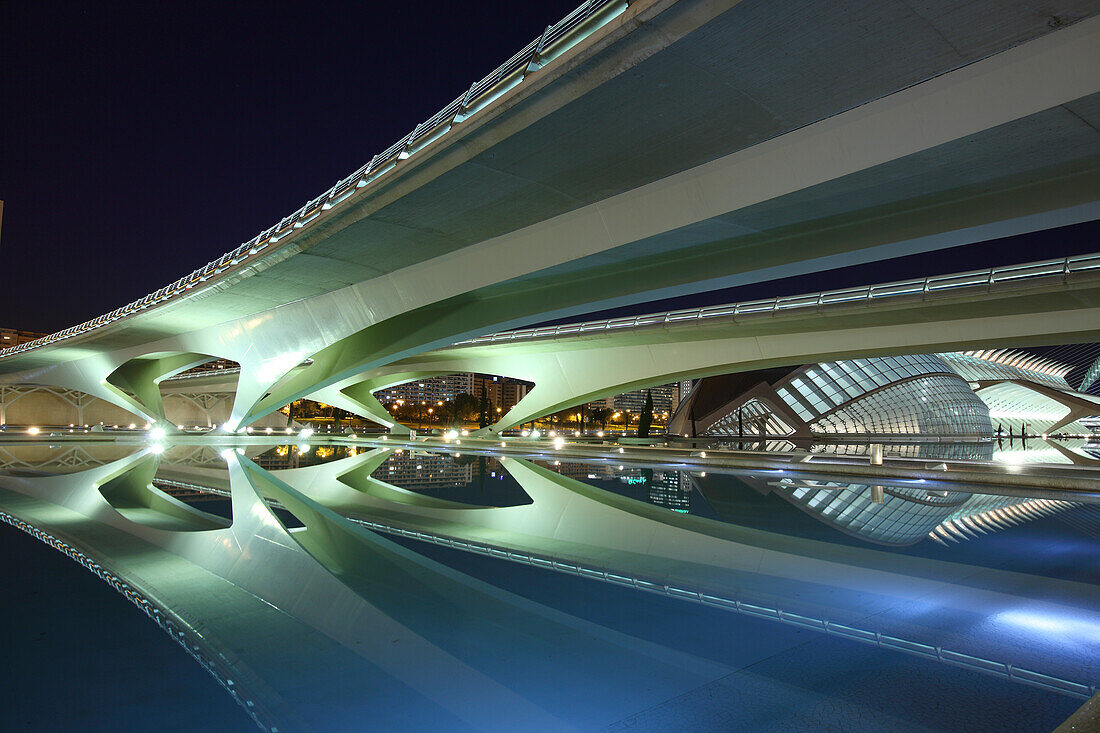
{"x": 426, "y": 588}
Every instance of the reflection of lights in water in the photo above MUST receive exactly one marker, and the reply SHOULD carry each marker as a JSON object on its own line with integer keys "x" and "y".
{"x": 1020, "y": 457}
{"x": 1072, "y": 629}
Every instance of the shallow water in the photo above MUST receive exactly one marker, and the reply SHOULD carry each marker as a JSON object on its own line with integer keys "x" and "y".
{"x": 717, "y": 599}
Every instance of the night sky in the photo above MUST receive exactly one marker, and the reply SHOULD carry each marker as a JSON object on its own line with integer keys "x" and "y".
{"x": 139, "y": 143}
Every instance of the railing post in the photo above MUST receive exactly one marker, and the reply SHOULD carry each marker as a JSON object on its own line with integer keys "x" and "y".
{"x": 536, "y": 55}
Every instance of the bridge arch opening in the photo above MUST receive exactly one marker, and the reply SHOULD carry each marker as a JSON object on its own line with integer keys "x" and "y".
{"x": 135, "y": 495}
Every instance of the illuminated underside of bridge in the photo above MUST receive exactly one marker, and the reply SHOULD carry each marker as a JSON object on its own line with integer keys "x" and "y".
{"x": 503, "y": 210}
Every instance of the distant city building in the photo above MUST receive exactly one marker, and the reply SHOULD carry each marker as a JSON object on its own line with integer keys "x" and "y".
{"x": 14, "y": 337}
{"x": 429, "y": 391}
{"x": 672, "y": 490}
{"x": 500, "y": 392}
{"x": 666, "y": 397}
{"x": 422, "y": 471}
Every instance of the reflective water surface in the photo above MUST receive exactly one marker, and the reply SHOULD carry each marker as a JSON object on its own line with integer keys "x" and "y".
{"x": 330, "y": 582}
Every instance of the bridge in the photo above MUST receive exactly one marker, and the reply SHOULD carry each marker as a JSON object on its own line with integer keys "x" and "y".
{"x": 1054, "y": 301}
{"x": 750, "y": 181}
{"x": 635, "y": 151}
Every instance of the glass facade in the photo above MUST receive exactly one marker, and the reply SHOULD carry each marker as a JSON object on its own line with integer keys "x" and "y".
{"x": 903, "y": 395}
{"x": 821, "y": 388}
{"x": 936, "y": 405}
{"x": 904, "y": 517}
{"x": 754, "y": 418}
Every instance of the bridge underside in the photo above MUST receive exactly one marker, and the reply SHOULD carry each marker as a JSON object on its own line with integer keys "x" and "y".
{"x": 942, "y": 143}
{"x": 573, "y": 369}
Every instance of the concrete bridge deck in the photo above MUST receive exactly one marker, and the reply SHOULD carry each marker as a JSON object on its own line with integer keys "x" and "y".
{"x": 742, "y": 179}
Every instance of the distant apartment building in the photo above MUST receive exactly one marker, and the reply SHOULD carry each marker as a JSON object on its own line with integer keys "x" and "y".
{"x": 500, "y": 392}
{"x": 14, "y": 337}
{"x": 666, "y": 398}
{"x": 429, "y": 391}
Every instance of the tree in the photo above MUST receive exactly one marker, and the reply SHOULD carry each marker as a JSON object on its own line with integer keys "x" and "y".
{"x": 646, "y": 418}
{"x": 483, "y": 410}
{"x": 465, "y": 408}
{"x": 600, "y": 415}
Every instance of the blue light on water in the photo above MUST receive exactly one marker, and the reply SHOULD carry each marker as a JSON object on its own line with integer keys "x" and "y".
{"x": 1075, "y": 629}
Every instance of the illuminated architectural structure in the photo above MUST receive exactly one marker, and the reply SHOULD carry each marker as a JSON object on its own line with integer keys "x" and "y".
{"x": 904, "y": 396}
{"x": 965, "y": 395}
{"x": 527, "y": 200}
{"x": 390, "y": 262}
{"x": 894, "y": 515}
{"x": 1025, "y": 394}
{"x": 189, "y": 403}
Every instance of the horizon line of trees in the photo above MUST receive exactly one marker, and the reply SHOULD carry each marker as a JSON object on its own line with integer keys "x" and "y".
{"x": 466, "y": 409}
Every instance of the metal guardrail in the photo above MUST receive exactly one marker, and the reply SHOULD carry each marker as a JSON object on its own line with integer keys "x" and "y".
{"x": 202, "y": 373}
{"x": 975, "y": 279}
{"x": 555, "y": 40}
